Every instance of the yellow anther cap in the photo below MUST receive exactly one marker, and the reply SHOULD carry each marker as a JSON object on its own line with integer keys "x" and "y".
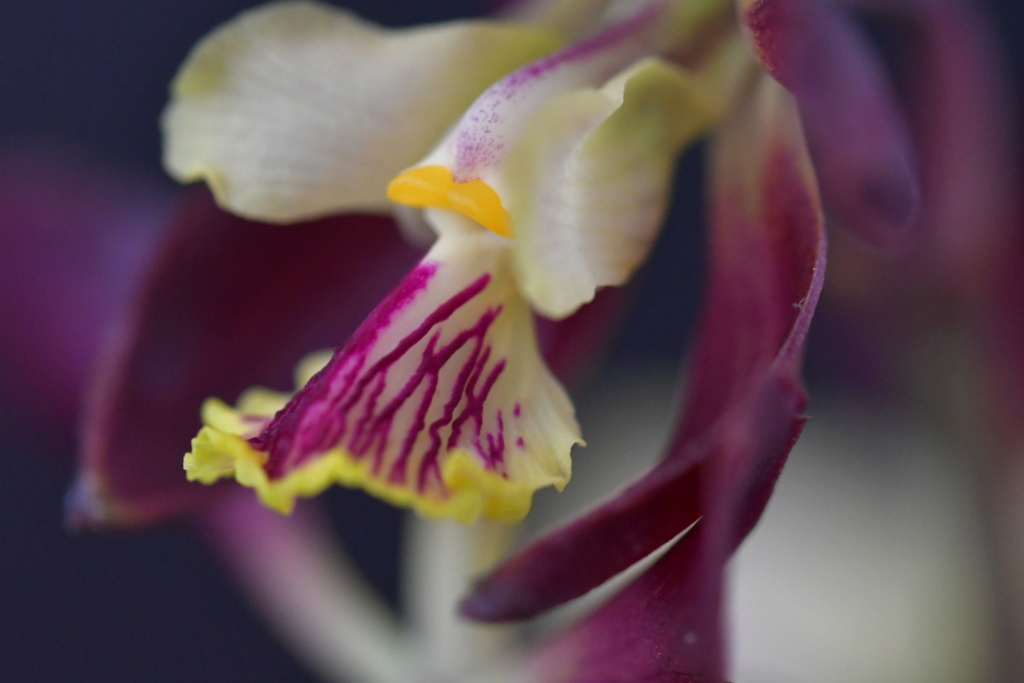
{"x": 433, "y": 186}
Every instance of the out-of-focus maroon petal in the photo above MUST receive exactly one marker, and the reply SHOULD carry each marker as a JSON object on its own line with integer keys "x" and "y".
{"x": 856, "y": 131}
{"x": 767, "y": 265}
{"x": 76, "y": 238}
{"x": 958, "y": 103}
{"x": 230, "y": 304}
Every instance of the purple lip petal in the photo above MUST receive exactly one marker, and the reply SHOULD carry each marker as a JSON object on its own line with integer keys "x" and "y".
{"x": 76, "y": 239}
{"x": 856, "y": 131}
{"x": 766, "y": 274}
{"x": 229, "y": 303}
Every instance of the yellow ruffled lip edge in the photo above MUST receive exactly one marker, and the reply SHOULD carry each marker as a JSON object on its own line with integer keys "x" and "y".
{"x": 474, "y": 492}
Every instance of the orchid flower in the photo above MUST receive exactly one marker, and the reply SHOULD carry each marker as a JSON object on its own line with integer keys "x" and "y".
{"x": 541, "y": 173}
{"x": 550, "y": 185}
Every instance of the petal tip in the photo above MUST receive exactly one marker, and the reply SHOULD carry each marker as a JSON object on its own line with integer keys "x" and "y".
{"x": 494, "y": 602}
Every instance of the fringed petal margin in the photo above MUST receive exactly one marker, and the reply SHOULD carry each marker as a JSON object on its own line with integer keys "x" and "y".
{"x": 766, "y": 269}
{"x": 439, "y": 402}
{"x": 297, "y": 109}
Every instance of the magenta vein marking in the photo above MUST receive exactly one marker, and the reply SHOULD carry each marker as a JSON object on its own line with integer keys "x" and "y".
{"x": 464, "y": 415}
{"x": 431, "y": 365}
{"x": 429, "y": 466}
{"x": 277, "y": 438}
{"x": 337, "y": 399}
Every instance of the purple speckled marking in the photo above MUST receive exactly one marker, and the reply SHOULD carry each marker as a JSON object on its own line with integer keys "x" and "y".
{"x": 520, "y": 442}
{"x": 347, "y": 403}
{"x": 481, "y": 138}
{"x": 601, "y": 42}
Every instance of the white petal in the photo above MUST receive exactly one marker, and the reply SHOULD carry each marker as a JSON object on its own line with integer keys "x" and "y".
{"x": 587, "y": 184}
{"x": 297, "y": 109}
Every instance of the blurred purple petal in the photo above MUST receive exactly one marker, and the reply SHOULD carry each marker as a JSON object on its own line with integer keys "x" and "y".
{"x": 229, "y": 304}
{"x": 856, "y": 131}
{"x": 76, "y": 238}
{"x": 767, "y": 266}
{"x": 958, "y": 104}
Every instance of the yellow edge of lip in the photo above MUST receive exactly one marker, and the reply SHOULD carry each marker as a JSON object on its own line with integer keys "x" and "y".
{"x": 433, "y": 186}
{"x": 473, "y": 491}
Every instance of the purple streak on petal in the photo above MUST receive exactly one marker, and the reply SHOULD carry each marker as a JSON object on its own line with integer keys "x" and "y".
{"x": 766, "y": 274}
{"x": 76, "y": 238}
{"x": 856, "y": 131}
{"x": 585, "y": 49}
{"x": 229, "y": 304}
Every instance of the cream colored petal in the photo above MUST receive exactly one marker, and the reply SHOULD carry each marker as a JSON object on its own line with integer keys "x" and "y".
{"x": 587, "y": 184}
{"x": 297, "y": 109}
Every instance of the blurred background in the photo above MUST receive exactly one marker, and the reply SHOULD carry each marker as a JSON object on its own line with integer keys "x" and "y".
{"x": 869, "y": 565}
